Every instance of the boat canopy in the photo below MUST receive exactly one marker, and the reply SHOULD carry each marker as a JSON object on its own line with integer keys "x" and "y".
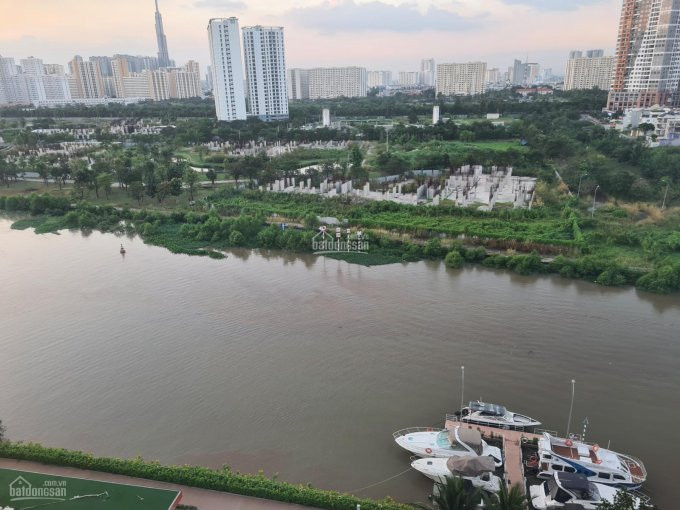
{"x": 487, "y": 409}
{"x": 470, "y": 437}
{"x": 573, "y": 481}
{"x": 470, "y": 466}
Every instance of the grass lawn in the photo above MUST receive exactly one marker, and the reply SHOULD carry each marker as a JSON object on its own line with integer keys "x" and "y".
{"x": 61, "y": 493}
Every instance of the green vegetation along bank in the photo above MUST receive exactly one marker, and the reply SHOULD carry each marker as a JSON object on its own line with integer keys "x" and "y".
{"x": 225, "y": 480}
{"x": 632, "y": 245}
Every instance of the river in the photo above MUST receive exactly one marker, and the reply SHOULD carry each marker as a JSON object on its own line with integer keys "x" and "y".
{"x": 303, "y": 366}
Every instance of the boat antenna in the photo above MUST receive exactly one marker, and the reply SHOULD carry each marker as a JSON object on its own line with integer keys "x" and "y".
{"x": 571, "y": 407}
{"x": 462, "y": 386}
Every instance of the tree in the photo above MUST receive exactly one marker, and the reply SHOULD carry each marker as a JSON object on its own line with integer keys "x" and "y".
{"x": 356, "y": 157}
{"x": 136, "y": 189}
{"x": 623, "y": 501}
{"x": 513, "y": 499}
{"x": 2, "y": 431}
{"x": 104, "y": 182}
{"x": 455, "y": 494}
{"x": 211, "y": 175}
{"x": 190, "y": 177}
{"x": 163, "y": 190}
{"x": 467, "y": 136}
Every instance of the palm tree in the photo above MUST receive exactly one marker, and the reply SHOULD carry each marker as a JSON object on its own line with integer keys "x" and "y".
{"x": 513, "y": 499}
{"x": 455, "y": 494}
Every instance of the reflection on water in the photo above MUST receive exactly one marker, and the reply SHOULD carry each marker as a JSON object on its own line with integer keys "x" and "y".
{"x": 304, "y": 366}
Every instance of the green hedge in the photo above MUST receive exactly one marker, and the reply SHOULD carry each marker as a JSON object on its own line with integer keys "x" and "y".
{"x": 224, "y": 480}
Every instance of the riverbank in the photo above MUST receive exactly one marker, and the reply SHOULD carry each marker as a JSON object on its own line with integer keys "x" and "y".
{"x": 620, "y": 245}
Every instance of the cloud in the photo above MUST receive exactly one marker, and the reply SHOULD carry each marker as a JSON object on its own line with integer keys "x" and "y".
{"x": 227, "y": 5}
{"x": 554, "y": 5}
{"x": 348, "y": 16}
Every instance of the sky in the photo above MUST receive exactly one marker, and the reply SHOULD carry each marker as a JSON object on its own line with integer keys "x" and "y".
{"x": 378, "y": 34}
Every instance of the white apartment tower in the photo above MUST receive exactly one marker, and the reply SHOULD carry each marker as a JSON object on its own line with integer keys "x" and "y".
{"x": 461, "y": 79}
{"x": 428, "y": 72}
{"x": 265, "y": 62}
{"x": 330, "y": 82}
{"x": 298, "y": 83}
{"x": 227, "y": 69}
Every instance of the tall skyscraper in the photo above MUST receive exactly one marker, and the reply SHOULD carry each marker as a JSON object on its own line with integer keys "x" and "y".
{"x": 647, "y": 67}
{"x": 88, "y": 78}
{"x": 428, "y": 72}
{"x": 227, "y": 69}
{"x": 461, "y": 79}
{"x": 163, "y": 57}
{"x": 378, "y": 79}
{"x": 264, "y": 55}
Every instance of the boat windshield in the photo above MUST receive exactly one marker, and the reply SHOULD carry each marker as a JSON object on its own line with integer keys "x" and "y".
{"x": 444, "y": 442}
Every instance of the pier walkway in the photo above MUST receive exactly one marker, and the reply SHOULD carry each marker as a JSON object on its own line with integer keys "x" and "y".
{"x": 512, "y": 448}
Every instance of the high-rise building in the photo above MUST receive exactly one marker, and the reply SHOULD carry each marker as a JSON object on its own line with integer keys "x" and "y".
{"x": 594, "y": 53}
{"x": 29, "y": 83}
{"x": 647, "y": 63}
{"x": 104, "y": 65}
{"x": 159, "y": 84}
{"x": 194, "y": 89}
{"x": 163, "y": 56}
{"x": 409, "y": 78}
{"x": 32, "y": 65}
{"x": 209, "y": 79}
{"x": 227, "y": 67}
{"x": 461, "y": 79}
{"x": 428, "y": 74}
{"x": 265, "y": 59}
{"x": 575, "y": 54}
{"x": 54, "y": 69}
{"x": 589, "y": 72}
{"x": 330, "y": 82}
{"x": 493, "y": 75}
{"x": 378, "y": 79}
{"x": 298, "y": 83}
{"x": 88, "y": 78}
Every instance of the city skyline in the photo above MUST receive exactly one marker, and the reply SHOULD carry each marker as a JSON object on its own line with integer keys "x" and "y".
{"x": 400, "y": 37}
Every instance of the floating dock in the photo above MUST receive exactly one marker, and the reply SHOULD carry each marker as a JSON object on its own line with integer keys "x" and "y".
{"x": 513, "y": 465}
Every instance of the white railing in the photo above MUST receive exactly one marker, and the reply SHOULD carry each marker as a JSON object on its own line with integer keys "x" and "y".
{"x": 412, "y": 430}
{"x": 629, "y": 460}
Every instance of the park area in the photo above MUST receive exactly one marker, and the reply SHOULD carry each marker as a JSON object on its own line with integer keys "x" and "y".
{"x": 25, "y": 490}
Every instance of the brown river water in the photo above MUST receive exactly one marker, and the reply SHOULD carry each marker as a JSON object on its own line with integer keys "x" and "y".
{"x": 303, "y": 366}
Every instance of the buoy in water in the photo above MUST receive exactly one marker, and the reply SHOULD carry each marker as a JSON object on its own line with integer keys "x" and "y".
{"x": 122, "y": 250}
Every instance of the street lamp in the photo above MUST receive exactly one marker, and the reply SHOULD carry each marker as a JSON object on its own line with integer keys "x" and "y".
{"x": 592, "y": 213}
{"x": 578, "y": 193}
{"x": 663, "y": 206}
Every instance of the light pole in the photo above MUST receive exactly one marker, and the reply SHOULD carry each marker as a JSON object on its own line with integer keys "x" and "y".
{"x": 571, "y": 407}
{"x": 592, "y": 213}
{"x": 663, "y": 206}
{"x": 578, "y": 193}
{"x": 462, "y": 387}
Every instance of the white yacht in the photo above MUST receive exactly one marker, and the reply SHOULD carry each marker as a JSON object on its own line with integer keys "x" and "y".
{"x": 457, "y": 442}
{"x": 597, "y": 464}
{"x": 477, "y": 470}
{"x": 494, "y": 415}
{"x": 572, "y": 489}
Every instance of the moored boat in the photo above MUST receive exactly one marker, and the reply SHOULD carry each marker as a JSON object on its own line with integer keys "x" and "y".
{"x": 590, "y": 460}
{"x": 572, "y": 489}
{"x": 477, "y": 470}
{"x": 494, "y": 415}
{"x": 456, "y": 442}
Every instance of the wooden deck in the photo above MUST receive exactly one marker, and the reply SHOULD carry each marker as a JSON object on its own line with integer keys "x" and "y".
{"x": 512, "y": 448}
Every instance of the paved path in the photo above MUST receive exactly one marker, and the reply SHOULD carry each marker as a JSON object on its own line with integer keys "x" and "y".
{"x": 203, "y": 499}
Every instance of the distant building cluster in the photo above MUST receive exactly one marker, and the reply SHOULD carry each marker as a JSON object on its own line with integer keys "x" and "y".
{"x": 593, "y": 70}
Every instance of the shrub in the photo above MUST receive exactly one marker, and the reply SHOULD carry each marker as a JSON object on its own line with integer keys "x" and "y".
{"x": 236, "y": 238}
{"x": 454, "y": 260}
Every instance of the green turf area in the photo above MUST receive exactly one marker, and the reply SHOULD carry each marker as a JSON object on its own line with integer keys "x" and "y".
{"x": 22, "y": 490}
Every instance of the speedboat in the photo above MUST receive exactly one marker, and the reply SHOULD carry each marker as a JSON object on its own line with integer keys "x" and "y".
{"x": 456, "y": 442}
{"x": 597, "y": 464}
{"x": 494, "y": 415}
{"x": 572, "y": 489}
{"x": 476, "y": 470}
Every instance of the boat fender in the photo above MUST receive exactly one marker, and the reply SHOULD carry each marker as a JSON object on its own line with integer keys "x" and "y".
{"x": 569, "y": 443}
{"x": 428, "y": 450}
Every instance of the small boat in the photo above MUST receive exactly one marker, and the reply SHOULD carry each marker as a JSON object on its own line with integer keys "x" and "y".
{"x": 477, "y": 470}
{"x": 574, "y": 490}
{"x": 494, "y": 415}
{"x": 596, "y": 464}
{"x": 122, "y": 250}
{"x": 457, "y": 442}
